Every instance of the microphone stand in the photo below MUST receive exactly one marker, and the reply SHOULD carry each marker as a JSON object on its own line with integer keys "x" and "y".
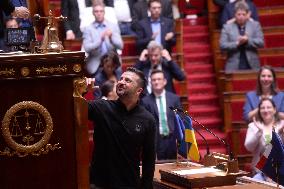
{"x": 209, "y": 160}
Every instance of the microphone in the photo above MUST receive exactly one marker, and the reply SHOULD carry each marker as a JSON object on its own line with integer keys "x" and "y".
{"x": 231, "y": 155}
{"x": 206, "y": 143}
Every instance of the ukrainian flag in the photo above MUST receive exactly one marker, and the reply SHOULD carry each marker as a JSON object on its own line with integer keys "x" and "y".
{"x": 193, "y": 152}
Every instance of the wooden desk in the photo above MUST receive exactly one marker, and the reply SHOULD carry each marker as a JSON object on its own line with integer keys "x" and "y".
{"x": 161, "y": 183}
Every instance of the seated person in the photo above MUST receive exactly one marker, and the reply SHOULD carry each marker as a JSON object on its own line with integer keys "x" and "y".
{"x": 155, "y": 27}
{"x": 241, "y": 39}
{"x": 227, "y": 14}
{"x": 100, "y": 38}
{"x": 266, "y": 88}
{"x": 110, "y": 69}
{"x": 108, "y": 90}
{"x": 259, "y": 132}
{"x": 158, "y": 103}
{"x": 155, "y": 57}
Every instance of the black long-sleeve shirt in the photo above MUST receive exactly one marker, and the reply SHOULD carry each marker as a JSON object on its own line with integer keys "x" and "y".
{"x": 121, "y": 139}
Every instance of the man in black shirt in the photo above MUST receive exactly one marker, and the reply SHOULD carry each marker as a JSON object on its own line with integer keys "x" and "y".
{"x": 124, "y": 134}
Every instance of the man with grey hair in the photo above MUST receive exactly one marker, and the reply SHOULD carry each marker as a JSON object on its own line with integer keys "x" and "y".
{"x": 100, "y": 38}
{"x": 155, "y": 57}
{"x": 241, "y": 39}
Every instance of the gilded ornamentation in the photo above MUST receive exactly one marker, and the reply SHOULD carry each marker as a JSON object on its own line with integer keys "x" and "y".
{"x": 80, "y": 87}
{"x": 77, "y": 68}
{"x": 7, "y": 72}
{"x": 51, "y": 70}
{"x": 25, "y": 71}
{"x": 27, "y": 128}
{"x": 47, "y": 148}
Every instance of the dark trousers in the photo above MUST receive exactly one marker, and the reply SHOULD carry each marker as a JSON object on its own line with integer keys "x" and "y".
{"x": 166, "y": 147}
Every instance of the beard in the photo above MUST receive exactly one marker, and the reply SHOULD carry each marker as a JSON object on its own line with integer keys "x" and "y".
{"x": 121, "y": 91}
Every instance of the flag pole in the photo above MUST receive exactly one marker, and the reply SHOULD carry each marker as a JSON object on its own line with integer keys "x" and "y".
{"x": 187, "y": 156}
{"x": 177, "y": 161}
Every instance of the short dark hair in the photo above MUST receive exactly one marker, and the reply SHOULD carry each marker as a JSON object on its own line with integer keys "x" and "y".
{"x": 154, "y": 71}
{"x": 151, "y": 1}
{"x": 276, "y": 116}
{"x": 113, "y": 56}
{"x": 273, "y": 87}
{"x": 142, "y": 82}
{"x": 107, "y": 87}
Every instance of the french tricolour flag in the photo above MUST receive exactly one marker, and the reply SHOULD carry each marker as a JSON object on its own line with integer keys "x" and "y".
{"x": 271, "y": 162}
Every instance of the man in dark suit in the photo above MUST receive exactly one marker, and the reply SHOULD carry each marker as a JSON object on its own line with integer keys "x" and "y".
{"x": 140, "y": 11}
{"x": 155, "y": 27}
{"x": 70, "y": 8}
{"x": 155, "y": 57}
{"x": 158, "y": 103}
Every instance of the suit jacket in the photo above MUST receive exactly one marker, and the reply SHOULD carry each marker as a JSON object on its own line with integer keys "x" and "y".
{"x": 7, "y": 7}
{"x": 252, "y": 101}
{"x": 228, "y": 12}
{"x": 170, "y": 69}
{"x": 144, "y": 33}
{"x": 70, "y": 9}
{"x": 140, "y": 11}
{"x": 172, "y": 100}
{"x": 228, "y": 43}
{"x": 92, "y": 44}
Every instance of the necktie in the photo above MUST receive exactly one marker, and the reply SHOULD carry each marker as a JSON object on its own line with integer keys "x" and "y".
{"x": 165, "y": 129}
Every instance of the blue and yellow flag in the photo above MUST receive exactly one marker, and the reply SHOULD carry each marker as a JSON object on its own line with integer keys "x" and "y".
{"x": 185, "y": 133}
{"x": 193, "y": 152}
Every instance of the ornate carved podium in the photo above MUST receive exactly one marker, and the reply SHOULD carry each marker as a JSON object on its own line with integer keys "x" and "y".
{"x": 44, "y": 136}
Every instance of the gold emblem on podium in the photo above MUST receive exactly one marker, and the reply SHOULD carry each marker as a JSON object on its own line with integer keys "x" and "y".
{"x": 26, "y": 128}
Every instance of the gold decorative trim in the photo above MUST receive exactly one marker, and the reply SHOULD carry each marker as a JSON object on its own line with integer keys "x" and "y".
{"x": 47, "y": 148}
{"x": 80, "y": 87}
{"x": 25, "y": 71}
{"x": 7, "y": 135}
{"x": 7, "y": 72}
{"x": 51, "y": 70}
{"x": 77, "y": 68}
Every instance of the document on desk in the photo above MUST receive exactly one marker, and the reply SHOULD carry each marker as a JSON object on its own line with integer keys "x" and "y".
{"x": 197, "y": 171}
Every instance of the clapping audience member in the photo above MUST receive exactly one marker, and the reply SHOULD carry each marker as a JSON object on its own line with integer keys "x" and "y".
{"x": 259, "y": 132}
{"x": 155, "y": 57}
{"x": 241, "y": 39}
{"x": 158, "y": 103}
{"x": 100, "y": 38}
{"x": 110, "y": 69}
{"x": 266, "y": 88}
{"x": 141, "y": 11}
{"x": 108, "y": 90}
{"x": 227, "y": 14}
{"x": 155, "y": 27}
